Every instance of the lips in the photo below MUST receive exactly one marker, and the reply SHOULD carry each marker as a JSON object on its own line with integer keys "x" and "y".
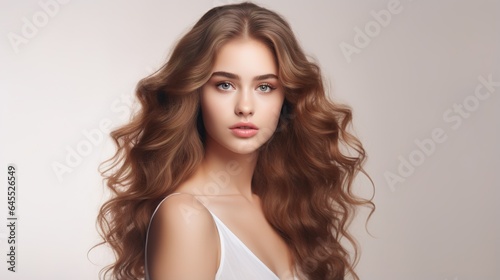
{"x": 242, "y": 125}
{"x": 244, "y": 130}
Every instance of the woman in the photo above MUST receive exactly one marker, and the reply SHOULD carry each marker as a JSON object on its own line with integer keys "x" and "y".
{"x": 236, "y": 166}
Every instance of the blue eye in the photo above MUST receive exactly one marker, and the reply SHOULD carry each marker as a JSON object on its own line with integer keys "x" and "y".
{"x": 224, "y": 86}
{"x": 265, "y": 88}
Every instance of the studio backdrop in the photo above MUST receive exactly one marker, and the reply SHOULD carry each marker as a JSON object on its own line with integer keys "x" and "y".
{"x": 422, "y": 78}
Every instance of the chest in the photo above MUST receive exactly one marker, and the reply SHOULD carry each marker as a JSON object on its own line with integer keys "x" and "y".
{"x": 248, "y": 223}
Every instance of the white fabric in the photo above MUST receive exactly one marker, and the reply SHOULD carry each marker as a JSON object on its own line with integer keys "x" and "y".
{"x": 237, "y": 262}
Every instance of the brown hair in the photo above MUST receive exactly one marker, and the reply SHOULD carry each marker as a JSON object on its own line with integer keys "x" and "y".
{"x": 307, "y": 162}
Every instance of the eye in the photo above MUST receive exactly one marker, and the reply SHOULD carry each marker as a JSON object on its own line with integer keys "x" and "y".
{"x": 224, "y": 86}
{"x": 266, "y": 88}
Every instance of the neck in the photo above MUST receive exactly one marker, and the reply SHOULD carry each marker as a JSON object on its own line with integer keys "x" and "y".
{"x": 226, "y": 172}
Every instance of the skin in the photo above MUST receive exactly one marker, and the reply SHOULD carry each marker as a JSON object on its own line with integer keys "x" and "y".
{"x": 243, "y": 88}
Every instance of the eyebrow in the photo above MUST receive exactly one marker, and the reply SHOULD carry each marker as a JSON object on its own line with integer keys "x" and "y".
{"x": 236, "y": 77}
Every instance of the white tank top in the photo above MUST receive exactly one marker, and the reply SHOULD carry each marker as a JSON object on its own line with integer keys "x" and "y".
{"x": 237, "y": 261}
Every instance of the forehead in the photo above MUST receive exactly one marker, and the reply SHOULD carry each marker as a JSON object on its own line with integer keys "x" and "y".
{"x": 246, "y": 58}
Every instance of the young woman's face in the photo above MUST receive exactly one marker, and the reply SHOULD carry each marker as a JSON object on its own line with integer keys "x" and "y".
{"x": 241, "y": 102}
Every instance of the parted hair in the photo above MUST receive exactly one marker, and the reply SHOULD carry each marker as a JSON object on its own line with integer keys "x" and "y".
{"x": 304, "y": 173}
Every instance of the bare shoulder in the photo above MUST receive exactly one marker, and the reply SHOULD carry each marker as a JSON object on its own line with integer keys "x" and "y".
{"x": 185, "y": 211}
{"x": 183, "y": 236}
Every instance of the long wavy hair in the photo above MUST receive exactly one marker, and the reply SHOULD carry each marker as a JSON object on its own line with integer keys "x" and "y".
{"x": 309, "y": 161}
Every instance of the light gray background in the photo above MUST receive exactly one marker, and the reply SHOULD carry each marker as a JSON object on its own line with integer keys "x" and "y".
{"x": 79, "y": 69}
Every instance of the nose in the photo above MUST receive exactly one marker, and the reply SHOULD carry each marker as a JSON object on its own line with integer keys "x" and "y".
{"x": 244, "y": 106}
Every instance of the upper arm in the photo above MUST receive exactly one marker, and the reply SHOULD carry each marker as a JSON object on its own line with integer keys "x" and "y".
{"x": 183, "y": 242}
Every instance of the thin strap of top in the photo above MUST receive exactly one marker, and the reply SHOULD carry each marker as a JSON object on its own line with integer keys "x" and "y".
{"x": 146, "y": 271}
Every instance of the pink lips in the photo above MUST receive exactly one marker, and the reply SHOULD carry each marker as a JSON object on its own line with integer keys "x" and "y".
{"x": 244, "y": 130}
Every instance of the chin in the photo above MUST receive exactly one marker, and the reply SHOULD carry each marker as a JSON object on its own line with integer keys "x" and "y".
{"x": 245, "y": 148}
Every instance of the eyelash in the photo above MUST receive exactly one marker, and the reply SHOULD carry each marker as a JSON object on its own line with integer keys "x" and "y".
{"x": 269, "y": 86}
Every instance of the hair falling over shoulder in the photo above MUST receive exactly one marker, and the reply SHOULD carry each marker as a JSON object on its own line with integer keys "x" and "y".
{"x": 304, "y": 176}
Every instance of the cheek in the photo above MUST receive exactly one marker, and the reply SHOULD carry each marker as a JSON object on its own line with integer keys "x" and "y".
{"x": 273, "y": 110}
{"x": 207, "y": 112}
{"x": 211, "y": 111}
